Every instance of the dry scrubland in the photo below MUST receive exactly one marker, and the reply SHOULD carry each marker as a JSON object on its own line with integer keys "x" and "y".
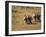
{"x": 18, "y": 15}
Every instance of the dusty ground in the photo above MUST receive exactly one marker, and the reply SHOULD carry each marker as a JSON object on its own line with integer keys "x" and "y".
{"x": 26, "y": 27}
{"x": 18, "y": 14}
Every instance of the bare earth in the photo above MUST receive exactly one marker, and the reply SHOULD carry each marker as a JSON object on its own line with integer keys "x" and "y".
{"x": 26, "y": 27}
